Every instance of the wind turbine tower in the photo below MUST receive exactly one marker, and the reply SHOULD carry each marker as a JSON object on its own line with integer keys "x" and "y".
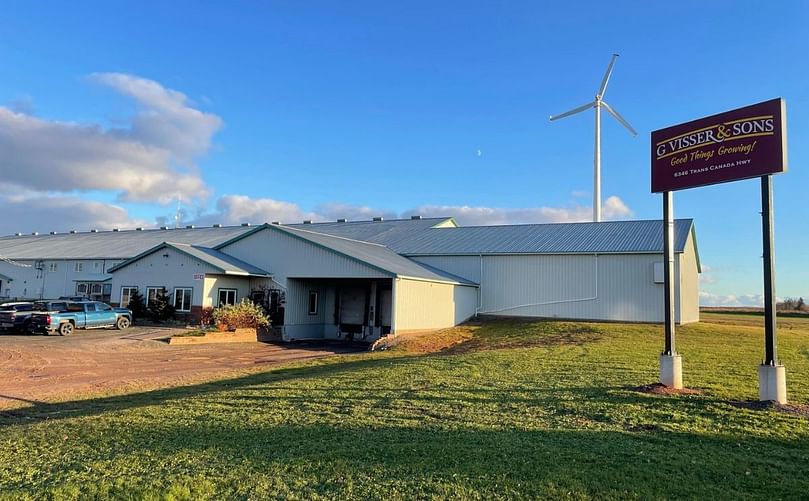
{"x": 598, "y": 104}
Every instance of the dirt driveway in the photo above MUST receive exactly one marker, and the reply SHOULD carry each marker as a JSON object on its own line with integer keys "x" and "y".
{"x": 55, "y": 368}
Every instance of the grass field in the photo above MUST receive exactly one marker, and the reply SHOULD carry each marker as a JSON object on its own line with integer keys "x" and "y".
{"x": 515, "y": 410}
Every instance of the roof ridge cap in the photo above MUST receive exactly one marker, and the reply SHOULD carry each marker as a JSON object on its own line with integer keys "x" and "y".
{"x": 335, "y": 236}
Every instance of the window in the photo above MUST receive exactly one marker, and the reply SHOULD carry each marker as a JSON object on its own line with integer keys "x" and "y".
{"x": 103, "y": 307}
{"x": 313, "y": 302}
{"x": 78, "y": 266}
{"x": 96, "y": 288}
{"x": 81, "y": 289}
{"x": 227, "y": 296}
{"x": 151, "y": 293}
{"x": 51, "y": 267}
{"x": 182, "y": 298}
{"x": 126, "y": 295}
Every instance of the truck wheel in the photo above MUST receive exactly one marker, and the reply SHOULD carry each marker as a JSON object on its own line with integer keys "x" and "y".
{"x": 66, "y": 329}
{"x": 122, "y": 323}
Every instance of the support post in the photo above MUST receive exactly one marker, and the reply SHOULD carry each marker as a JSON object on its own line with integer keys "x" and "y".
{"x": 671, "y": 372}
{"x": 771, "y": 375}
{"x": 597, "y": 166}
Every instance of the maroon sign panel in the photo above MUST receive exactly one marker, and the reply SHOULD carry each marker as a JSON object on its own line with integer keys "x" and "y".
{"x": 739, "y": 144}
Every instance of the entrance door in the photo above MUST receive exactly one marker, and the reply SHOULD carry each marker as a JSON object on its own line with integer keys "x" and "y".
{"x": 352, "y": 306}
{"x": 385, "y": 308}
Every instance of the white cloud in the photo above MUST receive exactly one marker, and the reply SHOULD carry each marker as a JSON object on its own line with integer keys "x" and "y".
{"x": 28, "y": 212}
{"x": 166, "y": 120}
{"x": 750, "y": 300}
{"x": 140, "y": 162}
{"x": 613, "y": 208}
{"x": 233, "y": 209}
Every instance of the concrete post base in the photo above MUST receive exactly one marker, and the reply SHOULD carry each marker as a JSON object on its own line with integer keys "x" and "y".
{"x": 772, "y": 383}
{"x": 671, "y": 371}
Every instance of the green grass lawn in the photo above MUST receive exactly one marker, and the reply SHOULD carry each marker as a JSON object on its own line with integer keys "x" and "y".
{"x": 519, "y": 410}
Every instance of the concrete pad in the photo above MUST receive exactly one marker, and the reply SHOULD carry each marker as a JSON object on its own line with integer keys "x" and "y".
{"x": 671, "y": 371}
{"x": 772, "y": 383}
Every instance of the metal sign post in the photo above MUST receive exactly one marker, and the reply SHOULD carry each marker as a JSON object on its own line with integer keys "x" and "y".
{"x": 771, "y": 376}
{"x": 671, "y": 364}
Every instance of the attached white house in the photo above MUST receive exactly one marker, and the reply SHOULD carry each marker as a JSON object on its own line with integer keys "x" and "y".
{"x": 192, "y": 277}
{"x": 366, "y": 279}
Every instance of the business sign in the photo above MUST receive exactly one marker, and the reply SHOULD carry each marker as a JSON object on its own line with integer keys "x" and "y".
{"x": 739, "y": 144}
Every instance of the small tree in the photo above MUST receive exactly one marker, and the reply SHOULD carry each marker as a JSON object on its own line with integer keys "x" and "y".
{"x": 136, "y": 305}
{"x": 160, "y": 308}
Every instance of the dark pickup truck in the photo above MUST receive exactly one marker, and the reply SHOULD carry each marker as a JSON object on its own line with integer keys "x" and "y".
{"x": 81, "y": 315}
{"x": 17, "y": 316}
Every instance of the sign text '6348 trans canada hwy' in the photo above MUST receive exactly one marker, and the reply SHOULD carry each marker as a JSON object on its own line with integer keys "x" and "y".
{"x": 739, "y": 144}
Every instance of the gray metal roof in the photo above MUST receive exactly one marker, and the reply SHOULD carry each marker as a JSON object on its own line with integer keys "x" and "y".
{"x": 389, "y": 233}
{"x": 110, "y": 244}
{"x": 128, "y": 243}
{"x": 560, "y": 238}
{"x": 226, "y": 264}
{"x": 375, "y": 255}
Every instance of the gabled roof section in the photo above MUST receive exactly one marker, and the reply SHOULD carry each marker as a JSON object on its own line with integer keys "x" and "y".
{"x": 110, "y": 244}
{"x": 225, "y": 264}
{"x": 388, "y": 233}
{"x": 612, "y": 237}
{"x": 375, "y": 255}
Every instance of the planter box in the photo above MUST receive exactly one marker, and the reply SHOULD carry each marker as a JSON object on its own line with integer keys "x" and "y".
{"x": 237, "y": 336}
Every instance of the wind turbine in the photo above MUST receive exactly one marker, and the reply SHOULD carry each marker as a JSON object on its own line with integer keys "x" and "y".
{"x": 598, "y": 104}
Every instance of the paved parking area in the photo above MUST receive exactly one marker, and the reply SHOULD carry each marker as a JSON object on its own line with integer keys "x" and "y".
{"x": 50, "y": 368}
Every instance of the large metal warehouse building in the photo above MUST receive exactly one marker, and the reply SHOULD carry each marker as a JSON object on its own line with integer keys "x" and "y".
{"x": 367, "y": 279}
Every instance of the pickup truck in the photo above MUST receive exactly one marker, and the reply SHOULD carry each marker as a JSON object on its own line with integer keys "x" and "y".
{"x": 18, "y": 315}
{"x": 15, "y": 315}
{"x": 81, "y": 315}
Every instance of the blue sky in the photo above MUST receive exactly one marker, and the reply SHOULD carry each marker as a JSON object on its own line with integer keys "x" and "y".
{"x": 283, "y": 111}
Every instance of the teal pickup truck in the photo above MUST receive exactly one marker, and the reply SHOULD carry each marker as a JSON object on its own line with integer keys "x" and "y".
{"x": 81, "y": 315}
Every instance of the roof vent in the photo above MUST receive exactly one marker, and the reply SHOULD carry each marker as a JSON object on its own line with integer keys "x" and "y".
{"x": 139, "y": 228}
{"x": 35, "y": 233}
{"x": 342, "y": 220}
{"x": 217, "y": 225}
{"x": 53, "y": 233}
{"x": 18, "y": 234}
{"x": 164, "y": 227}
{"x": 379, "y": 218}
{"x": 116, "y": 229}
{"x": 72, "y": 232}
{"x": 190, "y": 227}
{"x": 245, "y": 224}
{"x": 415, "y": 218}
{"x": 94, "y": 230}
{"x": 308, "y": 221}
{"x": 276, "y": 222}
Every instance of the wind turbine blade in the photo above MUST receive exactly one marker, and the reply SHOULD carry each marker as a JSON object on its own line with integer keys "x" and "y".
{"x": 606, "y": 79}
{"x": 573, "y": 111}
{"x": 618, "y": 117}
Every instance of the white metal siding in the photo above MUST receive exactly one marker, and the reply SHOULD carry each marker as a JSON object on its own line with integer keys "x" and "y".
{"x": 61, "y": 282}
{"x": 564, "y": 286}
{"x": 689, "y": 283}
{"x": 215, "y": 282}
{"x": 430, "y": 305}
{"x": 154, "y": 270}
{"x": 286, "y": 256}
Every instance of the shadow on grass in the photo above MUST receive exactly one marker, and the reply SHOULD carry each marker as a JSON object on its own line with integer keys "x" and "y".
{"x": 41, "y": 411}
{"x": 356, "y": 459}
